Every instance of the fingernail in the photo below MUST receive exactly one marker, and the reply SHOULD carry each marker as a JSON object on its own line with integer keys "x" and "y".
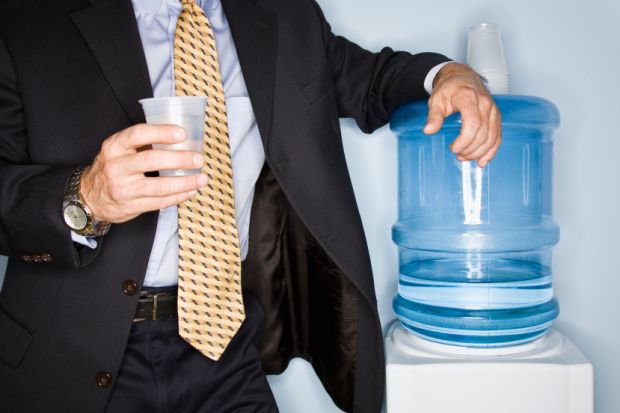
{"x": 202, "y": 180}
{"x": 192, "y": 193}
{"x": 178, "y": 134}
{"x": 198, "y": 160}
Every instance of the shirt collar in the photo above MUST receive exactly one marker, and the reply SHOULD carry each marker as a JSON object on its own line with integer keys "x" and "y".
{"x": 151, "y": 7}
{"x": 146, "y": 8}
{"x": 208, "y": 5}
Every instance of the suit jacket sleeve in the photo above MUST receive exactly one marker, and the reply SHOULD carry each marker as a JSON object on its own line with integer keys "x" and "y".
{"x": 30, "y": 195}
{"x": 369, "y": 86}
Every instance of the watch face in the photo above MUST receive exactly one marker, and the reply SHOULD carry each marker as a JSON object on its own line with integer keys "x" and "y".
{"x": 75, "y": 217}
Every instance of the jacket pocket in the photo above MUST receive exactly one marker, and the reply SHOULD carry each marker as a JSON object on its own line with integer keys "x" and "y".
{"x": 14, "y": 341}
{"x": 319, "y": 86}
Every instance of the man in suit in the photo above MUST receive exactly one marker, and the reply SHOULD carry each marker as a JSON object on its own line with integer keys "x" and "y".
{"x": 88, "y": 318}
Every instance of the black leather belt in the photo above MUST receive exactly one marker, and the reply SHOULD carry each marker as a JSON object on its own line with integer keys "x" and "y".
{"x": 156, "y": 305}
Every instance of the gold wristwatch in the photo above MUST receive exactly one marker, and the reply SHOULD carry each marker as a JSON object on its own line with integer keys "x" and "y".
{"x": 76, "y": 214}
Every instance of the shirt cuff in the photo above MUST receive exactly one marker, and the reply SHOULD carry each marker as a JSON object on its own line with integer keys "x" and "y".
{"x": 86, "y": 241}
{"x": 430, "y": 77}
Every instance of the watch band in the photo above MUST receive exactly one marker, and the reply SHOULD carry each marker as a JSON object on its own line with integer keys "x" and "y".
{"x": 73, "y": 199}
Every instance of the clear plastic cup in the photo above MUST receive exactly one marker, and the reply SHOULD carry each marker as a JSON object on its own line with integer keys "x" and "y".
{"x": 185, "y": 111}
{"x": 485, "y": 51}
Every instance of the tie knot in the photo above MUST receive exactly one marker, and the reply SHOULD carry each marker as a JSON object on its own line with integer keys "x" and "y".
{"x": 188, "y": 2}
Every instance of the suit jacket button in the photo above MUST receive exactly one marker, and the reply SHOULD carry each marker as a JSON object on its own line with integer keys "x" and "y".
{"x": 26, "y": 258}
{"x": 37, "y": 258}
{"x": 47, "y": 258}
{"x": 104, "y": 379}
{"x": 130, "y": 287}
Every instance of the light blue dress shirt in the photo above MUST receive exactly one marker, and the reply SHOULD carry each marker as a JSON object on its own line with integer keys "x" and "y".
{"x": 157, "y": 22}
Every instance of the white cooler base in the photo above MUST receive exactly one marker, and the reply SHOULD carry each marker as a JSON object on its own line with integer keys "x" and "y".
{"x": 549, "y": 375}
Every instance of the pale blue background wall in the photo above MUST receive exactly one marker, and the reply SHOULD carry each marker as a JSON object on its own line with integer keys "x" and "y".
{"x": 566, "y": 51}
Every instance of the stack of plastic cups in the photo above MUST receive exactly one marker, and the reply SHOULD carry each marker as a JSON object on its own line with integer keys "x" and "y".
{"x": 485, "y": 54}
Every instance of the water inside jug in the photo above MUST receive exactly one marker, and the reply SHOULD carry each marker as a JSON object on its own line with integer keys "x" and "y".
{"x": 475, "y": 244}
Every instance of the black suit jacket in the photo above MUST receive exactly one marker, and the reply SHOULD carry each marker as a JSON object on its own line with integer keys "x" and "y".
{"x": 71, "y": 74}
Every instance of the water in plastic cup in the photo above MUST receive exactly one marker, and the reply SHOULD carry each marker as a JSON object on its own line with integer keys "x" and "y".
{"x": 185, "y": 111}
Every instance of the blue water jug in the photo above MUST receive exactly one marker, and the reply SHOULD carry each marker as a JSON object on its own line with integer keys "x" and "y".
{"x": 475, "y": 244}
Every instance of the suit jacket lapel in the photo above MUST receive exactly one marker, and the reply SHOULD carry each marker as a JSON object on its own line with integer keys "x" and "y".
{"x": 255, "y": 32}
{"x": 109, "y": 27}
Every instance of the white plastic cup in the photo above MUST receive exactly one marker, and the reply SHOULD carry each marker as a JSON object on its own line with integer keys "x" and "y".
{"x": 485, "y": 51}
{"x": 485, "y": 54}
{"x": 185, "y": 111}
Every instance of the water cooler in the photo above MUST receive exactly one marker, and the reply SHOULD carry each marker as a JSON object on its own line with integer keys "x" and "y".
{"x": 475, "y": 299}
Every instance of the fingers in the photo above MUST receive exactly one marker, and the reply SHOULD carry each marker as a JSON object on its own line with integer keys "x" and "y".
{"x": 129, "y": 211}
{"x": 121, "y": 201}
{"x": 483, "y": 137}
{"x": 158, "y": 187}
{"x": 484, "y": 160}
{"x": 484, "y": 141}
{"x": 473, "y": 122}
{"x": 137, "y": 136}
{"x": 157, "y": 160}
{"x": 114, "y": 186}
{"x": 459, "y": 89}
{"x": 156, "y": 203}
{"x": 481, "y": 131}
{"x": 436, "y": 115}
{"x": 496, "y": 124}
{"x": 487, "y": 137}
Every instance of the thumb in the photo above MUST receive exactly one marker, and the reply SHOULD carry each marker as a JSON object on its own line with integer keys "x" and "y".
{"x": 435, "y": 119}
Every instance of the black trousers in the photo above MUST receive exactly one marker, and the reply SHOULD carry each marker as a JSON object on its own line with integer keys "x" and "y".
{"x": 162, "y": 373}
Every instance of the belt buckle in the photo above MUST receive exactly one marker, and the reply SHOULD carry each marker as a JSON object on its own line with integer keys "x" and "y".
{"x": 155, "y": 302}
{"x": 155, "y": 298}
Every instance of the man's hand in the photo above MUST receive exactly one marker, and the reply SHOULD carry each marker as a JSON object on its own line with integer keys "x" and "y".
{"x": 114, "y": 187}
{"x": 457, "y": 88}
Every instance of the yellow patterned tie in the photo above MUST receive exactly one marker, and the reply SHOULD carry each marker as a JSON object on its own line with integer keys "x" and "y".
{"x": 210, "y": 304}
